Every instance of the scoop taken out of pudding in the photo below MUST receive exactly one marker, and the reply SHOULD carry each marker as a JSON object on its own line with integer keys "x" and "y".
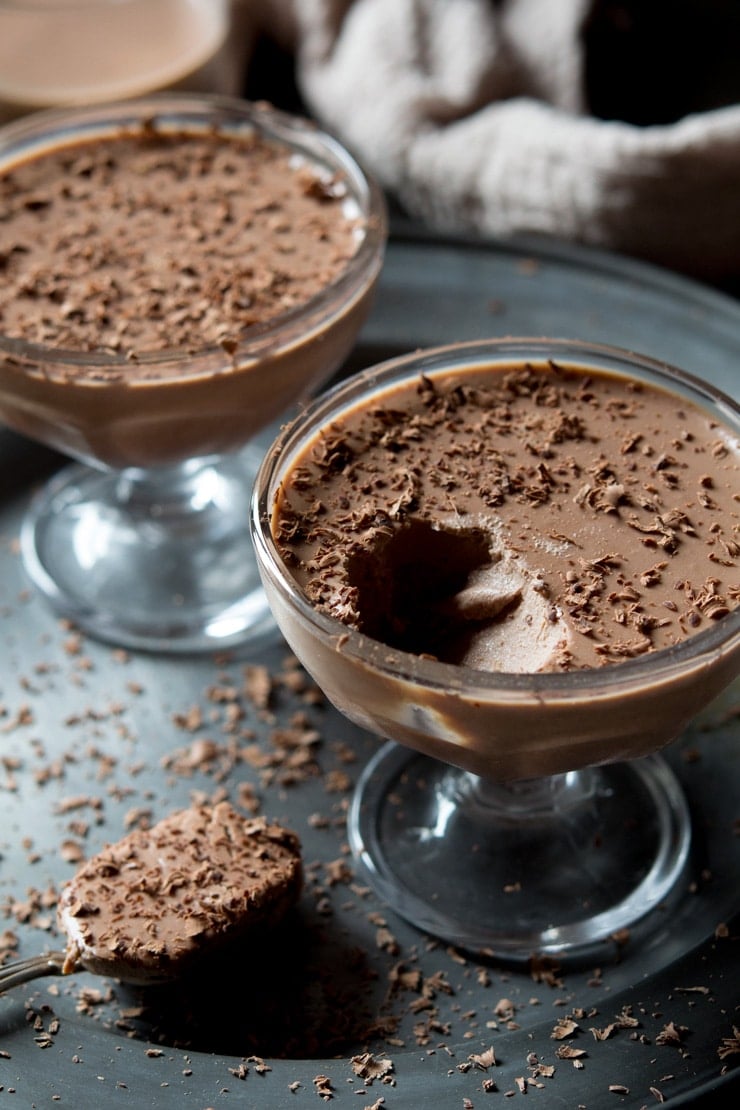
{"x": 148, "y": 907}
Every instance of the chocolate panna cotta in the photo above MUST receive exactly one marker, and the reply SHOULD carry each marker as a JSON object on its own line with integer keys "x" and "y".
{"x": 155, "y": 903}
{"x": 166, "y": 240}
{"x": 529, "y": 518}
{"x": 145, "y": 264}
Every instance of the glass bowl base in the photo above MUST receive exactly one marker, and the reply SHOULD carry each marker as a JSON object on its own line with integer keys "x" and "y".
{"x": 552, "y": 866}
{"x": 158, "y": 560}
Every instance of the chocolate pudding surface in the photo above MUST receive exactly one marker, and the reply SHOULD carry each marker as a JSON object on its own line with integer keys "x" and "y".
{"x": 521, "y": 518}
{"x": 149, "y": 240}
{"x": 175, "y": 273}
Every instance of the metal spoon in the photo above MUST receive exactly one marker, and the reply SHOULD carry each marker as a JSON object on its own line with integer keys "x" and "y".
{"x": 23, "y": 971}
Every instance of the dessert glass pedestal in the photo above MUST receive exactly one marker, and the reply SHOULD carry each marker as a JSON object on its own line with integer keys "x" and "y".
{"x": 511, "y": 813}
{"x": 145, "y": 541}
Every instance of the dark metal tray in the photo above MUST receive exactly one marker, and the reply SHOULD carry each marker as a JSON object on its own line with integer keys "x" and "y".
{"x": 93, "y": 740}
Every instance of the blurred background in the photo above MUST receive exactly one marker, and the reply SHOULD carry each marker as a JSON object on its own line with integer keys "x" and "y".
{"x": 614, "y": 123}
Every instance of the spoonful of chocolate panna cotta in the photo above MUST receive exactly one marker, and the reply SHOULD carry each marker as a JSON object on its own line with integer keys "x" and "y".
{"x": 152, "y": 906}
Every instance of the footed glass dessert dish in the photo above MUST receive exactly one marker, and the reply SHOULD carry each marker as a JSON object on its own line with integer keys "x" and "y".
{"x": 515, "y": 560}
{"x": 178, "y": 271}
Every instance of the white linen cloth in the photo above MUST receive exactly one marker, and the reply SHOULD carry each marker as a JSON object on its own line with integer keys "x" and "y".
{"x": 472, "y": 113}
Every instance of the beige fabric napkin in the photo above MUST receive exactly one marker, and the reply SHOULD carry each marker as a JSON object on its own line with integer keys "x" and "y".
{"x": 472, "y": 113}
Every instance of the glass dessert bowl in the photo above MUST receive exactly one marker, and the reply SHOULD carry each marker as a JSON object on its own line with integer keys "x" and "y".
{"x": 55, "y": 53}
{"x": 208, "y": 263}
{"x": 521, "y": 805}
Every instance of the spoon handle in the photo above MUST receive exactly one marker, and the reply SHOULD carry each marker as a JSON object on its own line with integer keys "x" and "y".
{"x": 22, "y": 971}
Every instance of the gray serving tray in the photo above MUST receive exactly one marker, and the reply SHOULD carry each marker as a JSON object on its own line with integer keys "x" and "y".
{"x": 93, "y": 741}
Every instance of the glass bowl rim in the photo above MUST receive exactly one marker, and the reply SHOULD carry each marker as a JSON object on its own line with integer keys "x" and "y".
{"x": 721, "y": 639}
{"x": 180, "y": 109}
